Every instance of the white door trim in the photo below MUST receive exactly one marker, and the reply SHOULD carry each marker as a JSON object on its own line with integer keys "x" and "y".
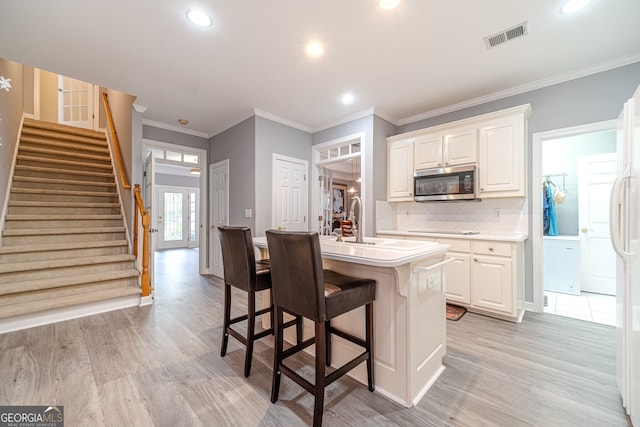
{"x": 315, "y": 205}
{"x": 536, "y": 202}
{"x": 204, "y": 197}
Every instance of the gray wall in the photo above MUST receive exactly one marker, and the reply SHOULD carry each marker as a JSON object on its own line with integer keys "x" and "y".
{"x": 11, "y": 107}
{"x": 238, "y": 145}
{"x": 562, "y": 156}
{"x": 275, "y": 138}
{"x": 590, "y": 99}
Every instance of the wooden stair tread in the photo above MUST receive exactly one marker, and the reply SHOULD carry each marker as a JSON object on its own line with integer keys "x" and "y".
{"x": 63, "y": 143}
{"x": 63, "y": 171}
{"x": 64, "y": 162}
{"x": 62, "y": 128}
{"x": 56, "y": 231}
{"x": 38, "y": 203}
{"x": 48, "y": 151}
{"x": 59, "y": 282}
{"x": 64, "y": 262}
{"x": 67, "y": 301}
{"x": 62, "y": 192}
{"x": 48, "y": 217}
{"x": 62, "y": 246}
{"x": 62, "y": 181}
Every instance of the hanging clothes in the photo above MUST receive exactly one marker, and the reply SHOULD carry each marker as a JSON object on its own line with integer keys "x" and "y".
{"x": 550, "y": 212}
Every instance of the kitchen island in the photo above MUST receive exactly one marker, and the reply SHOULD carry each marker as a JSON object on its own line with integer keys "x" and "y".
{"x": 409, "y": 311}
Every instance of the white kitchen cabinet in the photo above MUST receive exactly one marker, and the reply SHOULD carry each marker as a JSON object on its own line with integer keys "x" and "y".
{"x": 457, "y": 272}
{"x": 400, "y": 170}
{"x": 502, "y": 157}
{"x": 456, "y": 146}
{"x": 485, "y": 276}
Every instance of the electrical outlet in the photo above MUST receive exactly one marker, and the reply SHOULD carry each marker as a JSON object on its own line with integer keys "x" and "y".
{"x": 247, "y": 213}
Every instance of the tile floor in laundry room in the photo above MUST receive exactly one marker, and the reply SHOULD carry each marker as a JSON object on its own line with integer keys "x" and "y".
{"x": 588, "y": 306}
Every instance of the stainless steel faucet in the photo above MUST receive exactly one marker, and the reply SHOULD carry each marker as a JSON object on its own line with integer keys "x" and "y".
{"x": 356, "y": 230}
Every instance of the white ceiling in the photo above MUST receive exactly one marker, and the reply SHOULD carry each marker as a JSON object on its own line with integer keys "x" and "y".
{"x": 423, "y": 58}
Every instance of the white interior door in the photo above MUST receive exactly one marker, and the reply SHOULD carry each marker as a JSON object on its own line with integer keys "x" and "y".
{"x": 219, "y": 185}
{"x": 290, "y": 194}
{"x": 75, "y": 102}
{"x": 597, "y": 258}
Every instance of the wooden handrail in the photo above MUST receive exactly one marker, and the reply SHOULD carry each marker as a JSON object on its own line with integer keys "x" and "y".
{"x": 116, "y": 144}
{"x": 146, "y": 220}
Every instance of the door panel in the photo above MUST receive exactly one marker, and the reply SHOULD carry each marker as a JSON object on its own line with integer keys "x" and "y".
{"x": 597, "y": 258}
{"x": 219, "y": 185}
{"x": 75, "y": 102}
{"x": 291, "y": 195}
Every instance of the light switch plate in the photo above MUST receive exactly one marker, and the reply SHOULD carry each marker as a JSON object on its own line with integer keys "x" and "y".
{"x": 247, "y": 213}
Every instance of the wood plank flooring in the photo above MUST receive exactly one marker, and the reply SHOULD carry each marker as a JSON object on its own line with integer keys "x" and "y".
{"x": 160, "y": 366}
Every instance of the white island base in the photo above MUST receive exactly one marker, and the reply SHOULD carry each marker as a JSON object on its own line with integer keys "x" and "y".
{"x": 409, "y": 316}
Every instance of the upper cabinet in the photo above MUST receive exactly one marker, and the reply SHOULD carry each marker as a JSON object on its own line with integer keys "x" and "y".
{"x": 502, "y": 167}
{"x": 400, "y": 170}
{"x": 494, "y": 142}
{"x": 438, "y": 150}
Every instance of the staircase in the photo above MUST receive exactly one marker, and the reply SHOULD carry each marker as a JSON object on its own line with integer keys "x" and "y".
{"x": 63, "y": 241}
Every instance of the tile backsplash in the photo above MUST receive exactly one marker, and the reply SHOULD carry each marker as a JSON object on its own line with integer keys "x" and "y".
{"x": 503, "y": 216}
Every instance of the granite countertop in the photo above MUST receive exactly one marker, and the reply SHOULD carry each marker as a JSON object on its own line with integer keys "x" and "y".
{"x": 377, "y": 252}
{"x": 454, "y": 234}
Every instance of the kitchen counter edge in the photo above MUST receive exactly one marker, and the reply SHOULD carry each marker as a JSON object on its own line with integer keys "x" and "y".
{"x": 480, "y": 236}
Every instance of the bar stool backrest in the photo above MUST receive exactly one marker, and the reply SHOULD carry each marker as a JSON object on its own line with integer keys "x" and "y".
{"x": 238, "y": 257}
{"x": 297, "y": 279}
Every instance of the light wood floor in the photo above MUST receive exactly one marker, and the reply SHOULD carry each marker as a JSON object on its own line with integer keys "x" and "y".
{"x": 160, "y": 365}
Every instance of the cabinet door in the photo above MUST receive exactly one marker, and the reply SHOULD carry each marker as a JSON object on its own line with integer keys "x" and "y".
{"x": 457, "y": 278}
{"x": 427, "y": 152}
{"x": 491, "y": 286}
{"x": 501, "y": 163}
{"x": 460, "y": 147}
{"x": 400, "y": 171}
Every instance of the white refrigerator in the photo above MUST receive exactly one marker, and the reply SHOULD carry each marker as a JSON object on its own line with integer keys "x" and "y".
{"x": 625, "y": 238}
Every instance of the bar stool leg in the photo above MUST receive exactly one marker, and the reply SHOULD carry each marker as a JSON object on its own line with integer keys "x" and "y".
{"x": 327, "y": 331}
{"x": 369, "y": 333}
{"x": 277, "y": 357}
{"x": 225, "y": 322}
{"x": 251, "y": 327}
{"x": 298, "y": 330}
{"x": 321, "y": 352}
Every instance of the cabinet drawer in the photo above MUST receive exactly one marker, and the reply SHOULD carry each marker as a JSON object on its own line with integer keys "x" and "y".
{"x": 457, "y": 245}
{"x": 491, "y": 248}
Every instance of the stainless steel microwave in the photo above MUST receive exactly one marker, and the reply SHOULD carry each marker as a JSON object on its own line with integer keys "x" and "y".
{"x": 445, "y": 184}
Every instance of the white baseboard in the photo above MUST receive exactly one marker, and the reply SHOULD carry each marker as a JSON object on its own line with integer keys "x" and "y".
{"x": 67, "y": 313}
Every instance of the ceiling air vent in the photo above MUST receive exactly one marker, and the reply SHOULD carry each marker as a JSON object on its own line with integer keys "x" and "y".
{"x": 506, "y": 35}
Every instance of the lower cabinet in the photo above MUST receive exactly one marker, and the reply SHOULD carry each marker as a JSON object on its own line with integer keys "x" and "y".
{"x": 485, "y": 276}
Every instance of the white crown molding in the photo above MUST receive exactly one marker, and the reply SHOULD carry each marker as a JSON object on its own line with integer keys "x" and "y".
{"x": 560, "y": 78}
{"x": 343, "y": 120}
{"x": 281, "y": 120}
{"x": 174, "y": 128}
{"x": 386, "y": 117}
{"x": 140, "y": 108}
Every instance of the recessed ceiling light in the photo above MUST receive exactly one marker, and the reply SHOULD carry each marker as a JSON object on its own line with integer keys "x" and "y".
{"x": 574, "y": 5}
{"x": 198, "y": 17}
{"x": 388, "y": 4}
{"x": 347, "y": 98}
{"x": 315, "y": 49}
{"x": 183, "y": 121}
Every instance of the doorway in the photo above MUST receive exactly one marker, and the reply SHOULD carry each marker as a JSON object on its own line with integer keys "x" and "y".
{"x": 338, "y": 170}
{"x": 562, "y": 245}
{"x": 178, "y": 214}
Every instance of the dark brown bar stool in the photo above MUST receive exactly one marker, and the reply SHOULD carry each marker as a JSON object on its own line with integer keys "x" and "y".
{"x": 300, "y": 286}
{"x": 242, "y": 271}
